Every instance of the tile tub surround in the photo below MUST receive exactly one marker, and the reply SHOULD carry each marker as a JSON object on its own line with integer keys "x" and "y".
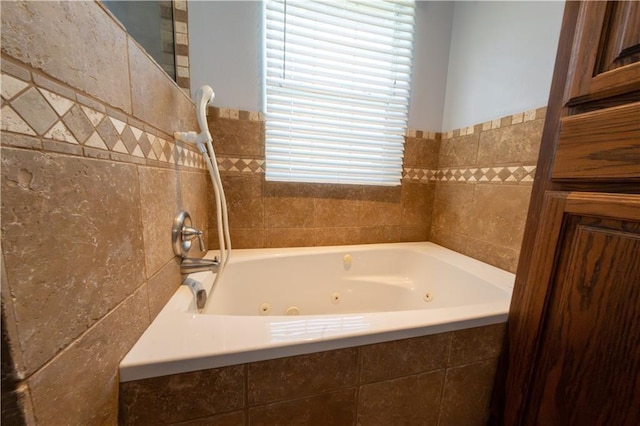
{"x": 445, "y": 378}
{"x": 91, "y": 180}
{"x": 467, "y": 189}
{"x": 485, "y": 176}
{"x": 283, "y": 214}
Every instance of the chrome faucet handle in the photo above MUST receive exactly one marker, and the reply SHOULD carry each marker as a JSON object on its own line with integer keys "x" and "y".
{"x": 182, "y": 233}
{"x": 189, "y": 233}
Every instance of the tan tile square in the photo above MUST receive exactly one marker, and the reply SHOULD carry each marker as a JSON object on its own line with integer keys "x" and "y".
{"x": 240, "y": 238}
{"x": 449, "y": 239}
{"x": 530, "y": 115}
{"x": 417, "y": 204}
{"x": 414, "y": 233}
{"x": 335, "y": 408}
{"x": 399, "y": 358}
{"x": 158, "y": 201}
{"x": 289, "y": 237}
{"x": 78, "y": 123}
{"x": 295, "y": 377}
{"x": 59, "y": 46}
{"x": 541, "y": 113}
{"x": 459, "y": 151}
{"x": 467, "y": 394}
{"x": 336, "y": 212}
{"x": 476, "y": 344}
{"x": 337, "y": 236}
{"x": 76, "y": 388}
{"x": 413, "y": 400}
{"x": 35, "y": 110}
{"x": 245, "y": 201}
{"x": 169, "y": 109}
{"x": 517, "y": 118}
{"x": 162, "y": 286}
{"x": 453, "y": 207}
{"x": 108, "y": 133}
{"x": 237, "y": 138}
{"x": 500, "y": 213}
{"x": 170, "y": 399}
{"x": 97, "y": 260}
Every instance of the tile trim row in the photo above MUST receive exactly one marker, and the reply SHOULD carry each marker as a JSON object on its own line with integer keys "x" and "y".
{"x": 508, "y": 120}
{"x": 493, "y": 174}
{"x": 57, "y": 118}
{"x": 181, "y": 41}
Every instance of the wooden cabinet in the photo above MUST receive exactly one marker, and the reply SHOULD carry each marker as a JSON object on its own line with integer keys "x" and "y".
{"x": 606, "y": 52}
{"x": 600, "y": 128}
{"x": 589, "y": 345}
{"x": 572, "y": 354}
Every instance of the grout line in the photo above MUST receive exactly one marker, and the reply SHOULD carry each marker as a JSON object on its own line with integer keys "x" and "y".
{"x": 127, "y": 36}
{"x": 444, "y": 379}
{"x": 245, "y": 408}
{"x": 85, "y": 332}
{"x": 358, "y": 383}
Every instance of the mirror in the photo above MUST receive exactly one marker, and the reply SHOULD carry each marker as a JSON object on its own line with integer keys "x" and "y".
{"x": 160, "y": 27}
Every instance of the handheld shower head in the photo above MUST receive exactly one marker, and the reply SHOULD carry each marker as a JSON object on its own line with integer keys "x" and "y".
{"x": 204, "y": 97}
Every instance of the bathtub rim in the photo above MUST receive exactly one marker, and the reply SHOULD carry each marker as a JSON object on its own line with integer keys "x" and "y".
{"x": 178, "y": 341}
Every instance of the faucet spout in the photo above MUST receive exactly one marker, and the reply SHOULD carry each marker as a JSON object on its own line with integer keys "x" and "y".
{"x": 189, "y": 265}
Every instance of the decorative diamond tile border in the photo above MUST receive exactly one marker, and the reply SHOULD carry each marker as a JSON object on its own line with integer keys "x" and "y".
{"x": 244, "y": 165}
{"x": 499, "y": 174}
{"x": 419, "y": 175}
{"x": 83, "y": 129}
{"x": 96, "y": 131}
{"x": 504, "y": 174}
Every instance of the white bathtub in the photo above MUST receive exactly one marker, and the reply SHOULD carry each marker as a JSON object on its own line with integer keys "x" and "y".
{"x": 272, "y": 303}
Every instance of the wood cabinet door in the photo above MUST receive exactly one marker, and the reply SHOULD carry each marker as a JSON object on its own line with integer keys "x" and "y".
{"x": 588, "y": 357}
{"x": 606, "y": 54}
{"x": 600, "y": 131}
{"x": 572, "y": 351}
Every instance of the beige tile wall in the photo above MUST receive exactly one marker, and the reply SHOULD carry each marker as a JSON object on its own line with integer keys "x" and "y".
{"x": 484, "y": 184}
{"x": 282, "y": 214}
{"x": 466, "y": 189}
{"x": 91, "y": 180}
{"x": 441, "y": 379}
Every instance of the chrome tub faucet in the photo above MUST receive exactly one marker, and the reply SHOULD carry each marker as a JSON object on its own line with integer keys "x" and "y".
{"x": 182, "y": 236}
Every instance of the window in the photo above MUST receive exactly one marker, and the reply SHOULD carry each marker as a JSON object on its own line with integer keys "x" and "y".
{"x": 337, "y": 82}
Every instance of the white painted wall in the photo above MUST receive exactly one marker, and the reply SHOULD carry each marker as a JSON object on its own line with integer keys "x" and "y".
{"x": 501, "y": 59}
{"x": 430, "y": 62}
{"x": 225, "y": 51}
{"x": 474, "y": 61}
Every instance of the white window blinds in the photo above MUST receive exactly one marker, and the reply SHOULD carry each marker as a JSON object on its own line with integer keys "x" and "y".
{"x": 337, "y": 81}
